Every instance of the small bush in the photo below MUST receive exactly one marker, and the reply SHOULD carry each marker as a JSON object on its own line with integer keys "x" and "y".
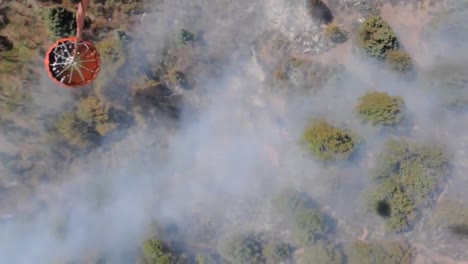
{"x": 122, "y": 36}
{"x": 360, "y": 252}
{"x": 186, "y": 37}
{"x": 205, "y": 259}
{"x": 334, "y": 33}
{"x": 309, "y": 226}
{"x": 97, "y": 114}
{"x": 289, "y": 200}
{"x": 379, "y": 108}
{"x": 399, "y": 60}
{"x": 277, "y": 252}
{"x": 329, "y": 142}
{"x": 243, "y": 248}
{"x": 377, "y": 38}
{"x": 322, "y": 253}
{"x": 13, "y": 97}
{"x": 177, "y": 78}
{"x": 157, "y": 252}
{"x": 77, "y": 132}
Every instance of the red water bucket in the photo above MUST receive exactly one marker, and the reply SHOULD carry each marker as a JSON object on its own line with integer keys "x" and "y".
{"x": 68, "y": 71}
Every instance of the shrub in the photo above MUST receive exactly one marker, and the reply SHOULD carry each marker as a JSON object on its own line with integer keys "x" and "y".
{"x": 75, "y": 131}
{"x": 360, "y": 252}
{"x": 13, "y": 97}
{"x": 277, "y": 252}
{"x": 399, "y": 60}
{"x": 376, "y": 37}
{"x": 322, "y": 253}
{"x": 309, "y": 226}
{"x": 408, "y": 175}
{"x": 379, "y": 108}
{"x": 177, "y": 78}
{"x": 158, "y": 252}
{"x": 186, "y": 37}
{"x": 122, "y": 36}
{"x": 289, "y": 200}
{"x": 334, "y": 33}
{"x": 328, "y": 142}
{"x": 205, "y": 259}
{"x": 97, "y": 114}
{"x": 243, "y": 248}
{"x": 402, "y": 210}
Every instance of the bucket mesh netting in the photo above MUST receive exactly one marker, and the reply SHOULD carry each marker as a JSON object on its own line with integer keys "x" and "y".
{"x": 68, "y": 71}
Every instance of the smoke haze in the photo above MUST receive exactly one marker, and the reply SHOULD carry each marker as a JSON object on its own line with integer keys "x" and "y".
{"x": 216, "y": 170}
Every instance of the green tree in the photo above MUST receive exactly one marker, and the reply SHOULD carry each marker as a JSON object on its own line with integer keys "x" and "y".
{"x": 205, "y": 259}
{"x": 62, "y": 22}
{"x": 75, "y": 131}
{"x": 399, "y": 60}
{"x": 275, "y": 252}
{"x": 158, "y": 252}
{"x": 186, "y": 37}
{"x": 379, "y": 108}
{"x": 288, "y": 200}
{"x": 243, "y": 248}
{"x": 334, "y": 33}
{"x": 100, "y": 115}
{"x": 376, "y": 37}
{"x": 402, "y": 210}
{"x": 407, "y": 176}
{"x": 328, "y": 142}
{"x": 388, "y": 252}
{"x": 321, "y": 253}
{"x": 177, "y": 77}
{"x": 309, "y": 226}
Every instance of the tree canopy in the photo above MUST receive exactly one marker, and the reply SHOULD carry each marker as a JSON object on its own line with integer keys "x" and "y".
{"x": 379, "y": 108}
{"x": 328, "y": 142}
{"x": 310, "y": 225}
{"x": 376, "y": 37}
{"x": 322, "y": 253}
{"x": 361, "y": 252}
{"x": 407, "y": 175}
